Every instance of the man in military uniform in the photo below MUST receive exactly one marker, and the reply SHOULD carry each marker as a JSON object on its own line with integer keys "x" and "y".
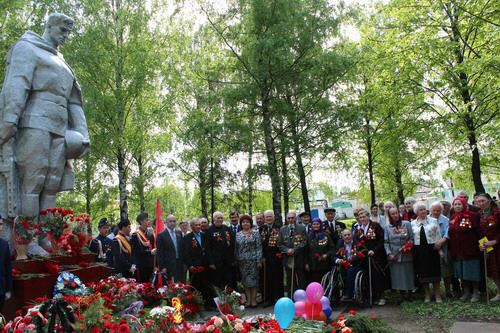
{"x": 273, "y": 268}
{"x": 195, "y": 259}
{"x": 331, "y": 226}
{"x": 220, "y": 249}
{"x": 101, "y": 245}
{"x": 305, "y": 219}
{"x": 41, "y": 106}
{"x": 143, "y": 250}
{"x": 292, "y": 242}
{"x": 123, "y": 261}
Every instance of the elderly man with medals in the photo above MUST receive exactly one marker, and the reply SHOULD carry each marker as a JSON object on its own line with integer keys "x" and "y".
{"x": 292, "y": 242}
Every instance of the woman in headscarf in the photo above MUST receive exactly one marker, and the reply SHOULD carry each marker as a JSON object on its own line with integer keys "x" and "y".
{"x": 464, "y": 234}
{"x": 490, "y": 228}
{"x": 319, "y": 252}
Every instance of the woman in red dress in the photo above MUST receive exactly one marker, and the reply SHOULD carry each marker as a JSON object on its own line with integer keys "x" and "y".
{"x": 464, "y": 235}
{"x": 490, "y": 228}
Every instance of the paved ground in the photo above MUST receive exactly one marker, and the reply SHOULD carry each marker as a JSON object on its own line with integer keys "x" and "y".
{"x": 466, "y": 327}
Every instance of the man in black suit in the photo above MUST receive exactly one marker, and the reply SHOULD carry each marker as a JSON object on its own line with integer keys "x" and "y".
{"x": 331, "y": 226}
{"x": 195, "y": 259}
{"x": 5, "y": 270}
{"x": 169, "y": 251}
{"x": 273, "y": 280}
{"x": 234, "y": 218}
{"x": 305, "y": 219}
{"x": 220, "y": 249}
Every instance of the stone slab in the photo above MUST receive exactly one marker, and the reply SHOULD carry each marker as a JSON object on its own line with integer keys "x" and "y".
{"x": 471, "y": 327}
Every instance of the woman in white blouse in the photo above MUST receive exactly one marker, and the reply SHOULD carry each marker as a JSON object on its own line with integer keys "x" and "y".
{"x": 426, "y": 233}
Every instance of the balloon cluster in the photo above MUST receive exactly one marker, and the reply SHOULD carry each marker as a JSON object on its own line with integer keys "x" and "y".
{"x": 312, "y": 304}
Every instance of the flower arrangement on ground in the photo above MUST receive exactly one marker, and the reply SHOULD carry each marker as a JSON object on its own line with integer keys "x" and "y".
{"x": 190, "y": 298}
{"x": 229, "y": 301}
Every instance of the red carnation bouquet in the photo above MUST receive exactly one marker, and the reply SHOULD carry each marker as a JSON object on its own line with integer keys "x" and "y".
{"x": 407, "y": 248}
{"x": 56, "y": 223}
{"x": 25, "y": 229}
{"x": 78, "y": 237}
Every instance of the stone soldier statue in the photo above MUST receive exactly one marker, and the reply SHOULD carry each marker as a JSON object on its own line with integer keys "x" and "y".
{"x": 42, "y": 127}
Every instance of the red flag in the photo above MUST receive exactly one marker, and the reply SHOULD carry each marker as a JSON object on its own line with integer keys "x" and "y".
{"x": 159, "y": 222}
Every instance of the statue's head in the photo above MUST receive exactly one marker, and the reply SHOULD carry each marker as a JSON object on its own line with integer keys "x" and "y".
{"x": 58, "y": 28}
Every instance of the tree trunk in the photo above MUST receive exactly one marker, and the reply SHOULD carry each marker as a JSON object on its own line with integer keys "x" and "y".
{"x": 250, "y": 179}
{"x": 399, "y": 184}
{"x": 122, "y": 184}
{"x": 202, "y": 168}
{"x": 476, "y": 162}
{"x": 140, "y": 183}
{"x": 300, "y": 169}
{"x": 284, "y": 172}
{"x": 369, "y": 153}
{"x": 88, "y": 185}
{"x": 212, "y": 179}
{"x": 467, "y": 100}
{"x": 271, "y": 156}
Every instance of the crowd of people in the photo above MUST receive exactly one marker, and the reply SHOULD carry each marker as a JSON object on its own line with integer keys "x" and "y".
{"x": 408, "y": 248}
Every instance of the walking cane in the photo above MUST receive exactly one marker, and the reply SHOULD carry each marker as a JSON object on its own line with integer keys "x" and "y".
{"x": 486, "y": 277}
{"x": 370, "y": 277}
{"x": 291, "y": 278}
{"x": 265, "y": 283}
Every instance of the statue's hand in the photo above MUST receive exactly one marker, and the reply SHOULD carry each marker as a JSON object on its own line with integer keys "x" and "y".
{"x": 85, "y": 148}
{"x": 7, "y": 131}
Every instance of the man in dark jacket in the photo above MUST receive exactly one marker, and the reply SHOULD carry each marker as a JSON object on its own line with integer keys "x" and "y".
{"x": 143, "y": 248}
{"x": 101, "y": 245}
{"x": 195, "y": 259}
{"x": 348, "y": 257}
{"x": 292, "y": 242}
{"x": 122, "y": 251}
{"x": 331, "y": 226}
{"x": 5, "y": 270}
{"x": 220, "y": 248}
{"x": 169, "y": 251}
{"x": 273, "y": 268}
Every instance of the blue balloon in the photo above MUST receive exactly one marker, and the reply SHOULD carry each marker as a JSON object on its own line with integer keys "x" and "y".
{"x": 299, "y": 295}
{"x": 327, "y": 312}
{"x": 284, "y": 311}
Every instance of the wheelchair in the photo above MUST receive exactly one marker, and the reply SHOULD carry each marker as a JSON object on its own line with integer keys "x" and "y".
{"x": 333, "y": 285}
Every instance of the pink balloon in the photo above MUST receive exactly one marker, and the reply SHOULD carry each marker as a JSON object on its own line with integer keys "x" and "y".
{"x": 300, "y": 308}
{"x": 314, "y": 292}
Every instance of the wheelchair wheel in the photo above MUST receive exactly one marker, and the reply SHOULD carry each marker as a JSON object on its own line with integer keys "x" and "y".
{"x": 361, "y": 288}
{"x": 330, "y": 283}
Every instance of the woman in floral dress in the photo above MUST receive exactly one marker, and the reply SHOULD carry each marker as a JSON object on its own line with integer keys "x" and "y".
{"x": 248, "y": 253}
